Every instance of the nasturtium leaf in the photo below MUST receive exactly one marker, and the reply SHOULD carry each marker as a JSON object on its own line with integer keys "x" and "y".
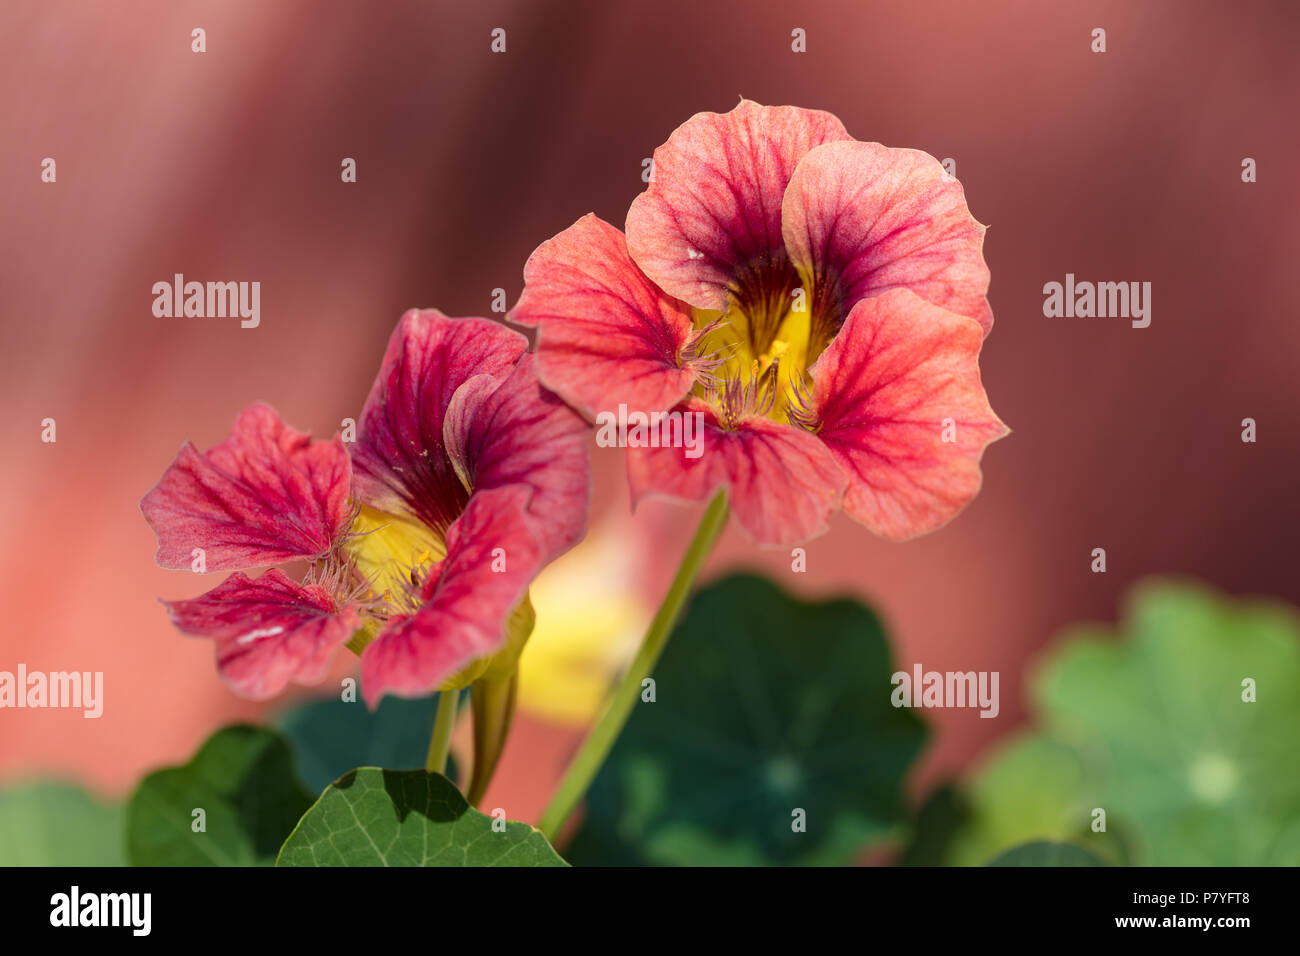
{"x": 771, "y": 740}
{"x": 1032, "y": 789}
{"x": 373, "y": 817}
{"x": 58, "y": 824}
{"x": 331, "y": 736}
{"x": 1206, "y": 775}
{"x": 1047, "y": 853}
{"x": 243, "y": 782}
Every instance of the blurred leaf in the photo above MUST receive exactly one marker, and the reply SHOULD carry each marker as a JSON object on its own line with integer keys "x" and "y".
{"x": 1046, "y": 853}
{"x": 374, "y": 817}
{"x": 938, "y": 822}
{"x": 1032, "y": 789}
{"x": 1207, "y": 778}
{"x": 1152, "y": 729}
{"x": 768, "y": 710}
{"x": 243, "y": 780}
{"x": 56, "y": 824}
{"x": 331, "y": 736}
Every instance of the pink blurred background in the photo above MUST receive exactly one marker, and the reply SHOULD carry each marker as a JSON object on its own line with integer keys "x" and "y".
{"x": 225, "y": 166}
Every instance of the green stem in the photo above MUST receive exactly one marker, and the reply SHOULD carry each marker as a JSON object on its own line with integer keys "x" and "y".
{"x": 493, "y": 703}
{"x": 578, "y": 777}
{"x": 440, "y": 742}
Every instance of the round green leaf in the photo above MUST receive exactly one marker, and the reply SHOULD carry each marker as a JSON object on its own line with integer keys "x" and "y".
{"x": 373, "y": 817}
{"x": 55, "y": 824}
{"x": 1032, "y": 789}
{"x": 1046, "y": 853}
{"x": 1207, "y": 776}
{"x": 771, "y": 740}
{"x": 232, "y": 805}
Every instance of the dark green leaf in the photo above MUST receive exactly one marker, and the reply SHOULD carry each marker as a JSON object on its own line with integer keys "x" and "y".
{"x": 332, "y": 736}
{"x": 938, "y": 821}
{"x": 1046, "y": 853}
{"x": 770, "y": 712}
{"x": 243, "y": 781}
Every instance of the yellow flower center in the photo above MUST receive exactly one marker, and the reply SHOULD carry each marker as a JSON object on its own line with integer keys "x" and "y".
{"x": 396, "y": 555}
{"x": 763, "y": 346}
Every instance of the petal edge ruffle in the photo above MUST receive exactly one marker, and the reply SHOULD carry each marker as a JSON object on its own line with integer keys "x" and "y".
{"x": 862, "y": 218}
{"x": 268, "y": 631}
{"x": 606, "y": 334}
{"x": 265, "y": 495}
{"x": 898, "y": 400}
{"x": 712, "y": 213}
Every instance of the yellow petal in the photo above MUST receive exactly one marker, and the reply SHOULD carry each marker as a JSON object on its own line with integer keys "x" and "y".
{"x": 590, "y": 617}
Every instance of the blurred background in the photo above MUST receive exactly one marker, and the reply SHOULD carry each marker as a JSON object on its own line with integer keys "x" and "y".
{"x": 225, "y": 165}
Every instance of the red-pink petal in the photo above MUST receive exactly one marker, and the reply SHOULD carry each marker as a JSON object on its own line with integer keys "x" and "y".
{"x": 606, "y": 334}
{"x": 466, "y": 613}
{"x": 712, "y": 214}
{"x": 265, "y": 495}
{"x": 783, "y": 483}
{"x": 268, "y": 631}
{"x": 399, "y": 458}
{"x": 862, "y": 218}
{"x": 884, "y": 391}
{"x": 518, "y": 433}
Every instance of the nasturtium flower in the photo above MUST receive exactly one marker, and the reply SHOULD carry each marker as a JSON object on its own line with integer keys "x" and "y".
{"x": 820, "y": 302}
{"x": 420, "y": 539}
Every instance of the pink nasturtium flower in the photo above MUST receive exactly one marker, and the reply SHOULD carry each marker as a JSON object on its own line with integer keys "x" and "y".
{"x": 421, "y": 538}
{"x": 819, "y": 301}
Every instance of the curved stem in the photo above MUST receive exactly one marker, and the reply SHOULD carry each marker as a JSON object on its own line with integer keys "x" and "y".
{"x": 440, "y": 742}
{"x": 578, "y": 777}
